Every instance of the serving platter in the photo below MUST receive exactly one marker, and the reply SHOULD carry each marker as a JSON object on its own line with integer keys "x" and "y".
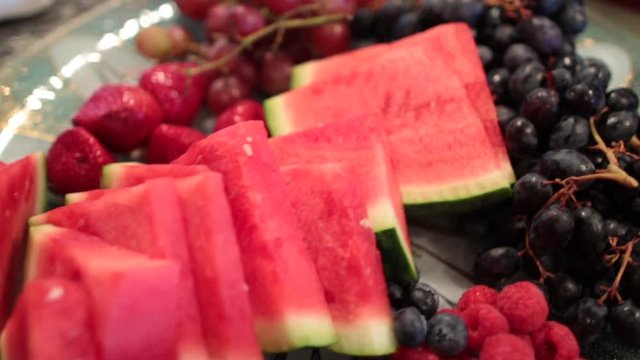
{"x": 42, "y": 87}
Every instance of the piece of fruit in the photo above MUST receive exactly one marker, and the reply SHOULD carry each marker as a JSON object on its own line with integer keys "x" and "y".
{"x": 355, "y": 142}
{"x": 22, "y": 194}
{"x": 275, "y": 72}
{"x": 179, "y": 94}
{"x": 226, "y": 91}
{"x": 244, "y": 110}
{"x": 168, "y": 142}
{"x": 196, "y": 9}
{"x": 233, "y": 19}
{"x": 330, "y": 39}
{"x": 147, "y": 219}
{"x": 120, "y": 175}
{"x": 284, "y": 289}
{"x": 75, "y": 161}
{"x": 51, "y": 321}
{"x": 121, "y": 116}
{"x": 333, "y": 216}
{"x": 524, "y": 306}
{"x": 410, "y": 327}
{"x": 155, "y": 42}
{"x": 447, "y": 334}
{"x": 127, "y": 290}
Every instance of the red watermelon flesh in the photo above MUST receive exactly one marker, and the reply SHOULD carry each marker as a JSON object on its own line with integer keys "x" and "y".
{"x": 226, "y": 313}
{"x": 22, "y": 194}
{"x": 146, "y": 219}
{"x": 445, "y": 43}
{"x": 284, "y": 289}
{"x": 133, "y": 297}
{"x": 333, "y": 214}
{"x": 119, "y": 175}
{"x": 51, "y": 321}
{"x": 356, "y": 141}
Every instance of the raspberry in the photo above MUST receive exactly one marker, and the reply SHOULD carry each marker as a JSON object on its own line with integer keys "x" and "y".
{"x": 483, "y": 320}
{"x": 506, "y": 347}
{"x": 477, "y": 294}
{"x": 554, "y": 341}
{"x": 524, "y": 306}
{"x": 421, "y": 353}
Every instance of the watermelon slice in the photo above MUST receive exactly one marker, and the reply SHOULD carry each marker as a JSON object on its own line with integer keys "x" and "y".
{"x": 355, "y": 142}
{"x": 119, "y": 175}
{"x": 332, "y": 210}
{"x": 227, "y": 318}
{"x": 133, "y": 297}
{"x": 146, "y": 219}
{"x": 439, "y": 148}
{"x": 51, "y": 321}
{"x": 22, "y": 194}
{"x": 444, "y": 42}
{"x": 284, "y": 289}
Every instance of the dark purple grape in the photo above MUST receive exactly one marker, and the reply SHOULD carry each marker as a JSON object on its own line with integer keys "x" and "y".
{"x": 524, "y": 165}
{"x": 617, "y": 126}
{"x": 396, "y": 295}
{"x": 584, "y": 100}
{"x": 505, "y": 115}
{"x": 548, "y": 7}
{"x": 496, "y": 264}
{"x": 527, "y": 77}
{"x": 541, "y": 107}
{"x": 542, "y": 34}
{"x": 615, "y": 228}
{"x": 571, "y": 132}
{"x": 594, "y": 73}
{"x": 486, "y": 55}
{"x": 625, "y": 323}
{"x": 564, "y": 163}
{"x": 530, "y": 192}
{"x": 551, "y": 229}
{"x": 407, "y": 24}
{"x": 570, "y": 62}
{"x": 448, "y": 334}
{"x": 587, "y": 319}
{"x": 621, "y": 99}
{"x": 410, "y": 327}
{"x": 562, "y": 79}
{"x": 503, "y": 36}
{"x": 518, "y": 54}
{"x": 564, "y": 291}
{"x": 549, "y": 262}
{"x": 498, "y": 79}
{"x": 430, "y": 12}
{"x": 589, "y": 235}
{"x": 572, "y": 19}
{"x": 631, "y": 282}
{"x": 493, "y": 17}
{"x": 521, "y": 137}
{"x": 362, "y": 23}
{"x": 468, "y": 11}
{"x": 386, "y": 17}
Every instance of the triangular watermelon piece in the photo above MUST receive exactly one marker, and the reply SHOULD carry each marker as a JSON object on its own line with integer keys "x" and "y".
{"x": 220, "y": 285}
{"x": 51, "y": 321}
{"x": 332, "y": 210}
{"x": 356, "y": 142}
{"x": 284, "y": 289}
{"x": 119, "y": 175}
{"x": 446, "y": 43}
{"x": 22, "y": 194}
{"x": 146, "y": 219}
{"x": 134, "y": 299}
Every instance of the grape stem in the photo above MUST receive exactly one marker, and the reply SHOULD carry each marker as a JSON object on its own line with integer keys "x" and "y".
{"x": 264, "y": 32}
{"x": 616, "y": 173}
{"x": 612, "y": 291}
{"x": 307, "y": 8}
{"x": 635, "y": 142}
{"x": 544, "y": 274}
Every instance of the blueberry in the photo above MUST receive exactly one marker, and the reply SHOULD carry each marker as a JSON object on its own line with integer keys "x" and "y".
{"x": 447, "y": 335}
{"x": 396, "y": 295}
{"x": 425, "y": 299}
{"x": 410, "y": 327}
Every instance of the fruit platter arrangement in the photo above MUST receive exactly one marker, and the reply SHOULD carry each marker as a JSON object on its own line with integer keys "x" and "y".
{"x": 261, "y": 181}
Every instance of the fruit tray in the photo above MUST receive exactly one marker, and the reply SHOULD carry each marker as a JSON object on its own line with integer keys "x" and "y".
{"x": 43, "y": 86}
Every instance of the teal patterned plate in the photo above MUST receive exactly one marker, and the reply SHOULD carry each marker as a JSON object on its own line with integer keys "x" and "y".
{"x": 41, "y": 89}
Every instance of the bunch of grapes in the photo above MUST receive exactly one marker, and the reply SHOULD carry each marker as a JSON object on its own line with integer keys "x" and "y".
{"x": 245, "y": 53}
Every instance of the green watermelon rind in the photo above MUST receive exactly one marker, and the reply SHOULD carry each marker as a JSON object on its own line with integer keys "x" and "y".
{"x": 41, "y": 182}
{"x": 301, "y": 75}
{"x": 295, "y": 332}
{"x": 418, "y": 211}
{"x": 110, "y": 173}
{"x": 373, "y": 337}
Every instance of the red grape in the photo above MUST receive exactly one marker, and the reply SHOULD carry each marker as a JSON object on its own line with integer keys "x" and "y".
{"x": 275, "y": 74}
{"x": 296, "y": 44}
{"x": 338, "y": 6}
{"x": 180, "y": 39}
{"x": 330, "y": 39}
{"x": 243, "y": 110}
{"x": 282, "y": 6}
{"x": 217, "y": 50}
{"x": 226, "y": 91}
{"x": 155, "y": 42}
{"x": 196, "y": 9}
{"x": 246, "y": 71}
{"x": 235, "y": 20}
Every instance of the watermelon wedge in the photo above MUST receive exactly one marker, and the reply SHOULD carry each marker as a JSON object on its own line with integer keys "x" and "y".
{"x": 227, "y": 318}
{"x": 119, "y": 175}
{"x": 284, "y": 289}
{"x": 51, "y": 321}
{"x": 333, "y": 213}
{"x": 22, "y": 194}
{"x": 133, "y": 297}
{"x": 145, "y": 219}
{"x": 355, "y": 142}
{"x": 444, "y": 42}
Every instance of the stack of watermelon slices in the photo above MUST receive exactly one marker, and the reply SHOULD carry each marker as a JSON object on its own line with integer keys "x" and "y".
{"x": 432, "y": 102}
{"x": 213, "y": 257}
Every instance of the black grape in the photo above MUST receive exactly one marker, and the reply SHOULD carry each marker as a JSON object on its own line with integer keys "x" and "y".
{"x": 486, "y": 55}
{"x": 565, "y": 163}
{"x": 625, "y": 323}
{"x": 496, "y": 264}
{"x": 562, "y": 79}
{"x": 548, "y": 7}
{"x": 571, "y": 132}
{"x": 503, "y": 36}
{"x": 584, "y": 100}
{"x": 622, "y": 99}
{"x": 542, "y": 34}
{"x": 564, "y": 291}
{"x": 541, "y": 107}
{"x": 587, "y": 319}
{"x": 572, "y": 19}
{"x": 589, "y": 235}
{"x": 527, "y": 77}
{"x": 498, "y": 79}
{"x": 530, "y": 192}
{"x": 521, "y": 137}
{"x": 518, "y": 54}
{"x": 551, "y": 229}
{"x": 362, "y": 23}
{"x": 617, "y": 125}
{"x": 505, "y": 115}
{"x": 468, "y": 11}
{"x": 594, "y": 73}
